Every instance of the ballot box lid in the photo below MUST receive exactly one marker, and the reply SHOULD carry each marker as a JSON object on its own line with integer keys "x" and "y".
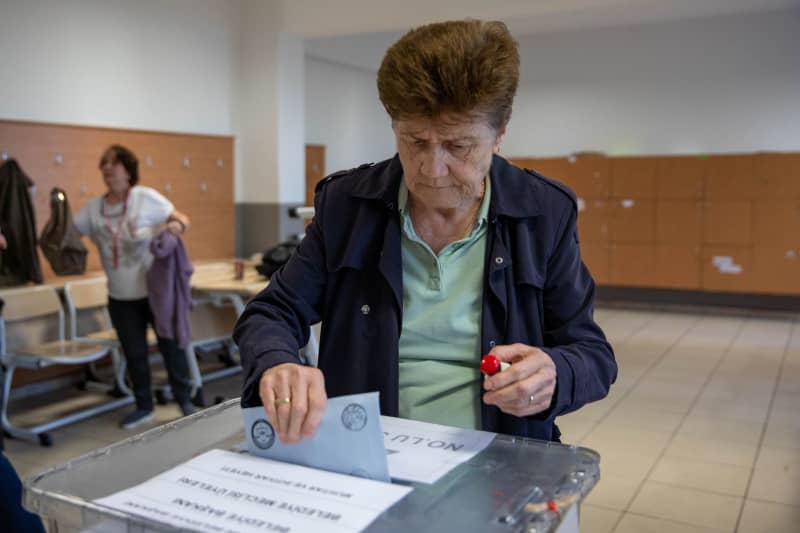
{"x": 514, "y": 484}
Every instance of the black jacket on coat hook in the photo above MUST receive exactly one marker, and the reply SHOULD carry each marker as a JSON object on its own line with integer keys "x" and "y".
{"x": 19, "y": 263}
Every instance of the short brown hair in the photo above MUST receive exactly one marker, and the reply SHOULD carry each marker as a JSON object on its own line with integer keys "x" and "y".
{"x": 459, "y": 67}
{"x": 119, "y": 154}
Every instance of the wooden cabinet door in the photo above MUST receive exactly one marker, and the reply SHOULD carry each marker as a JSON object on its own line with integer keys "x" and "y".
{"x": 593, "y": 220}
{"x": 632, "y": 221}
{"x": 315, "y": 169}
{"x": 679, "y": 222}
{"x": 777, "y": 223}
{"x": 728, "y": 222}
{"x": 633, "y": 177}
{"x": 678, "y": 266}
{"x": 595, "y": 256}
{"x": 589, "y": 176}
{"x": 633, "y": 265}
{"x": 728, "y": 268}
{"x": 776, "y": 270}
{"x": 731, "y": 177}
{"x": 778, "y": 175}
{"x": 555, "y": 168}
{"x": 680, "y": 177}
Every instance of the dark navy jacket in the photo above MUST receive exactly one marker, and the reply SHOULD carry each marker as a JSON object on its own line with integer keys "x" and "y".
{"x": 347, "y": 272}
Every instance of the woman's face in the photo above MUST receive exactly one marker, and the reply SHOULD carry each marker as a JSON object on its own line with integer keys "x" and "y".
{"x": 115, "y": 176}
{"x": 446, "y": 159}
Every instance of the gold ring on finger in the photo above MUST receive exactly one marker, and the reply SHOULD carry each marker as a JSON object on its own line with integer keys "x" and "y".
{"x": 283, "y": 401}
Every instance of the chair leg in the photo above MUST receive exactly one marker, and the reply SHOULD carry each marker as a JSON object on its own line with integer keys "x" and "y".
{"x": 194, "y": 369}
{"x": 119, "y": 365}
{"x": 8, "y": 427}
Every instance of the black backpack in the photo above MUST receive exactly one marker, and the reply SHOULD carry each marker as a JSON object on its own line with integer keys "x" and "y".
{"x": 277, "y": 256}
{"x": 60, "y": 240}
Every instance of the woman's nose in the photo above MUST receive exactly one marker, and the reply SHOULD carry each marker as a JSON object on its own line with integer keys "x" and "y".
{"x": 434, "y": 164}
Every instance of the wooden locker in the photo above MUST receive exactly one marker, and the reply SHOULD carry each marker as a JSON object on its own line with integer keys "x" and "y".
{"x": 777, "y": 223}
{"x": 633, "y": 177}
{"x": 728, "y": 222}
{"x": 632, "y": 220}
{"x": 521, "y": 162}
{"x": 588, "y": 174}
{"x": 555, "y": 168}
{"x": 731, "y": 177}
{"x": 633, "y": 265}
{"x": 728, "y": 268}
{"x": 315, "y": 169}
{"x": 68, "y": 157}
{"x": 778, "y": 175}
{"x": 593, "y": 219}
{"x": 776, "y": 270}
{"x": 678, "y": 266}
{"x": 680, "y": 177}
{"x": 595, "y": 256}
{"x": 679, "y": 222}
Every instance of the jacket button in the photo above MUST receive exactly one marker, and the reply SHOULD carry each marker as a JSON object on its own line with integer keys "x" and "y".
{"x": 365, "y": 309}
{"x": 498, "y": 260}
{"x": 492, "y": 344}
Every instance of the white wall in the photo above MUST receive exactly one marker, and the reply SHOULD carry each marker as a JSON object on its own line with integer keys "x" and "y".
{"x": 146, "y": 64}
{"x": 291, "y": 119}
{"x": 344, "y": 114}
{"x": 723, "y": 84}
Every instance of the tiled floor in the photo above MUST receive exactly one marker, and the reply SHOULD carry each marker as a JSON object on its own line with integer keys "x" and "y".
{"x": 700, "y": 434}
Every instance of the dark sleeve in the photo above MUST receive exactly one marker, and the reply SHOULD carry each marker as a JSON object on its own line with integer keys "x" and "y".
{"x": 584, "y": 359}
{"x": 275, "y": 324}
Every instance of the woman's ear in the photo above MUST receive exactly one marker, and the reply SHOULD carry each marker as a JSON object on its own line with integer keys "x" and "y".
{"x": 501, "y": 134}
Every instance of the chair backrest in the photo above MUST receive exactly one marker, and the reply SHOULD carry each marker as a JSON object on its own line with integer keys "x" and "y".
{"x": 32, "y": 315}
{"x": 30, "y": 302}
{"x": 87, "y": 295}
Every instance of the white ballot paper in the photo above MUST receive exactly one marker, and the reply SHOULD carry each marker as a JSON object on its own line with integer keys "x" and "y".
{"x": 221, "y": 491}
{"x": 419, "y": 451}
{"x": 348, "y": 440}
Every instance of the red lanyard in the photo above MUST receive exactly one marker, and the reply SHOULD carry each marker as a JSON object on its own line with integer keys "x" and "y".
{"x": 114, "y": 232}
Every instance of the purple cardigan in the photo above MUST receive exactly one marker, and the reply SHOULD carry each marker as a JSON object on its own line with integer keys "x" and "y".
{"x": 168, "y": 288}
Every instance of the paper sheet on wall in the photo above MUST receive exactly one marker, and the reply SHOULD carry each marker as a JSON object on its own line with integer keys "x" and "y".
{"x": 224, "y": 491}
{"x": 423, "y": 452}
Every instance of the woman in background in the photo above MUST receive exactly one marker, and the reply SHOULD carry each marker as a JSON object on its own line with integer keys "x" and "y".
{"x": 121, "y": 223}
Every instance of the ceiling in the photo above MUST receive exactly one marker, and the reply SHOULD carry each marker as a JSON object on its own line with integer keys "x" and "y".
{"x": 324, "y": 18}
{"x": 357, "y": 32}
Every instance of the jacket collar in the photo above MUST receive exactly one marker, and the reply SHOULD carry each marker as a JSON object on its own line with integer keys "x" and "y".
{"x": 514, "y": 191}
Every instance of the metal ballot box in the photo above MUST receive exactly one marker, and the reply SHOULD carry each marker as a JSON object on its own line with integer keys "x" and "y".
{"x": 513, "y": 485}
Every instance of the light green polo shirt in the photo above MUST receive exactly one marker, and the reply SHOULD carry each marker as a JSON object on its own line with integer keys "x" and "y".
{"x": 440, "y": 344}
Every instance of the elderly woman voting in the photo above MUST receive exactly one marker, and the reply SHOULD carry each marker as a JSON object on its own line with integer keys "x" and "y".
{"x": 419, "y": 265}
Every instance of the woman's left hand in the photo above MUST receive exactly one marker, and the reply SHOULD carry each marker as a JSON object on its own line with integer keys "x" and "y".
{"x": 527, "y": 386}
{"x": 175, "y": 227}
